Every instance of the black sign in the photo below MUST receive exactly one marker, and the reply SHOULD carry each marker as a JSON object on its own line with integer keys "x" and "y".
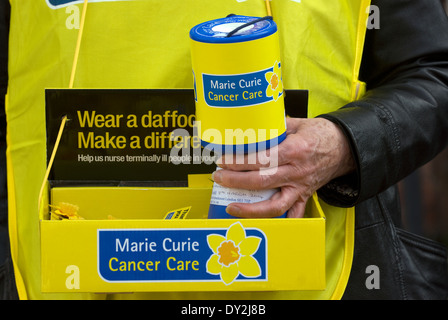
{"x": 130, "y": 136}
{"x": 124, "y": 135}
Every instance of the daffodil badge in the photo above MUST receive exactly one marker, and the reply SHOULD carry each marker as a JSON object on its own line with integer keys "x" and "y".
{"x": 234, "y": 255}
{"x": 275, "y": 83}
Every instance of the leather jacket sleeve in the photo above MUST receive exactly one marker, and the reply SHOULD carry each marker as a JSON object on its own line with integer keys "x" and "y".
{"x": 402, "y": 121}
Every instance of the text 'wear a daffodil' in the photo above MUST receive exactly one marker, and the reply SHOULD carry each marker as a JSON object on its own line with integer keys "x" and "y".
{"x": 233, "y": 254}
{"x": 275, "y": 84}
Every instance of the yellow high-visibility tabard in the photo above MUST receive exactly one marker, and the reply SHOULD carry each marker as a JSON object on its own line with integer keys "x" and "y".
{"x": 146, "y": 44}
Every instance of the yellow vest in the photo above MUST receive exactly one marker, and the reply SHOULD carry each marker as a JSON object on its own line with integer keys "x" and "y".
{"x": 145, "y": 44}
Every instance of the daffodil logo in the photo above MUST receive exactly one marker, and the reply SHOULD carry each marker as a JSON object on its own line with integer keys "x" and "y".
{"x": 233, "y": 254}
{"x": 275, "y": 84}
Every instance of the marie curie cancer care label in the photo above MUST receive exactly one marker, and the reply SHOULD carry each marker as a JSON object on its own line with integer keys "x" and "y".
{"x": 238, "y": 84}
{"x": 224, "y": 255}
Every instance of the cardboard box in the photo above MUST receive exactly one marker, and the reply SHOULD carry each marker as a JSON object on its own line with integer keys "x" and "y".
{"x": 138, "y": 251}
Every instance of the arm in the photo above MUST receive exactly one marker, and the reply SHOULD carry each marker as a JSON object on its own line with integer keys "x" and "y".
{"x": 399, "y": 125}
{"x": 314, "y": 152}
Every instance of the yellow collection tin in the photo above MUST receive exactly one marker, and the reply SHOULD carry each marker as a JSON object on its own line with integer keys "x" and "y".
{"x": 238, "y": 83}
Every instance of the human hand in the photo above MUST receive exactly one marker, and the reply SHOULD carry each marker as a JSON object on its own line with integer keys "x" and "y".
{"x": 314, "y": 152}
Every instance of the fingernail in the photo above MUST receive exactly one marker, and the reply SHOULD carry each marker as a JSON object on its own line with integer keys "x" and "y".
{"x": 233, "y": 210}
{"x": 216, "y": 176}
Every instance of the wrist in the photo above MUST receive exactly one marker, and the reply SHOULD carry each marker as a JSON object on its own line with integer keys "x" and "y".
{"x": 343, "y": 157}
{"x": 348, "y": 163}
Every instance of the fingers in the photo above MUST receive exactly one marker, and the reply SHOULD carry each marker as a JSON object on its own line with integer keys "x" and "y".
{"x": 253, "y": 180}
{"x": 281, "y": 202}
{"x": 273, "y": 168}
{"x": 251, "y": 161}
{"x": 279, "y": 155}
{"x": 276, "y": 156}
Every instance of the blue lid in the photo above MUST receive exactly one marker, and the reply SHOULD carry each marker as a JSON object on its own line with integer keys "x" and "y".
{"x": 220, "y": 30}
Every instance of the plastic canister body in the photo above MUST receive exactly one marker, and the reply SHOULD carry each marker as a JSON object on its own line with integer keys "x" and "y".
{"x": 238, "y": 85}
{"x": 239, "y": 94}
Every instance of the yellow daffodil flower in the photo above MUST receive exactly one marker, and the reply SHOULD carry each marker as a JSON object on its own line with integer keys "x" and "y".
{"x": 65, "y": 211}
{"x": 275, "y": 87}
{"x": 232, "y": 254}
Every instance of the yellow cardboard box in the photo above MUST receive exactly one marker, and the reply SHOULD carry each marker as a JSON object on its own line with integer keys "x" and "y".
{"x": 122, "y": 244}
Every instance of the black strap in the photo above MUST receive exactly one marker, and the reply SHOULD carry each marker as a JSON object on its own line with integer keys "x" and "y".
{"x": 231, "y": 33}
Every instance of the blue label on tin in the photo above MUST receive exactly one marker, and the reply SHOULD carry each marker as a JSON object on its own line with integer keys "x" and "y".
{"x": 242, "y": 90}
{"x": 167, "y": 255}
